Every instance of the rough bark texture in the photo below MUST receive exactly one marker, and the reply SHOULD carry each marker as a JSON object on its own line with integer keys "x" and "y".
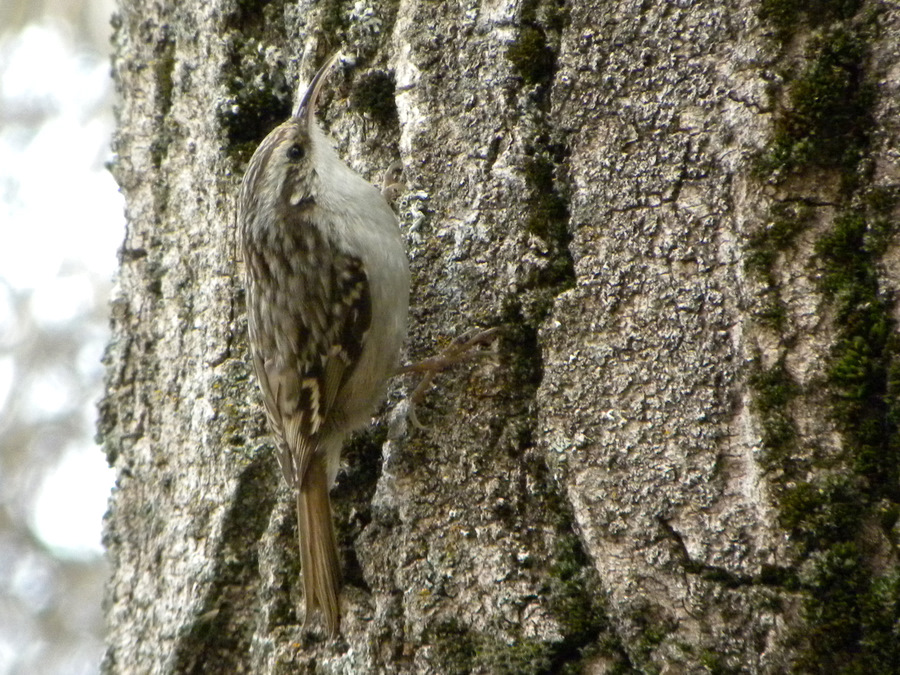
{"x": 684, "y": 455}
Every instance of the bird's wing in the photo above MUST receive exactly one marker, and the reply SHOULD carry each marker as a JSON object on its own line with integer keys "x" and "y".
{"x": 308, "y": 330}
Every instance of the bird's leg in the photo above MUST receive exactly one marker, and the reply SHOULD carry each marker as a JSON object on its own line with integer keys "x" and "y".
{"x": 459, "y": 350}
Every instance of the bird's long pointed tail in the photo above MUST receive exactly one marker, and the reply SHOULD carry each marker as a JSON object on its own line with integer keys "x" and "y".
{"x": 318, "y": 546}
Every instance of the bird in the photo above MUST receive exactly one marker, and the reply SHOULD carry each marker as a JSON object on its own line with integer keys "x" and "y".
{"x": 327, "y": 287}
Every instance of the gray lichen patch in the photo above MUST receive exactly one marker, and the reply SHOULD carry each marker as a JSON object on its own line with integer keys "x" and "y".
{"x": 679, "y": 456}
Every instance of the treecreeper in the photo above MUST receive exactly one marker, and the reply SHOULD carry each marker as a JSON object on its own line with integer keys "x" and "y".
{"x": 327, "y": 280}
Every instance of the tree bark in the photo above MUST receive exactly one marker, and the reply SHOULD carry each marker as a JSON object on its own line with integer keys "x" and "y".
{"x": 682, "y": 455}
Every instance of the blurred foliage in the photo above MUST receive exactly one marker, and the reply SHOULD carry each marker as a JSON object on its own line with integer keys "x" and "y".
{"x": 52, "y": 331}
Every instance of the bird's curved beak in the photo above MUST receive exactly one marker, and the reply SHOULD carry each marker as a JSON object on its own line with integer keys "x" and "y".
{"x": 306, "y": 111}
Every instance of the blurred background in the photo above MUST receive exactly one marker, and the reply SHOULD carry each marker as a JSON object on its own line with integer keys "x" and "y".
{"x": 61, "y": 223}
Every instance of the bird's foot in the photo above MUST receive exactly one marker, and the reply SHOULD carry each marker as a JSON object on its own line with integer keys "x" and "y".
{"x": 461, "y": 349}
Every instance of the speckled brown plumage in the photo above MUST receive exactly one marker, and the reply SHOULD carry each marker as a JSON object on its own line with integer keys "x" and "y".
{"x": 327, "y": 297}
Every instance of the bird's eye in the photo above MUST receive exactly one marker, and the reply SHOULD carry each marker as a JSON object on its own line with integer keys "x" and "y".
{"x": 295, "y": 152}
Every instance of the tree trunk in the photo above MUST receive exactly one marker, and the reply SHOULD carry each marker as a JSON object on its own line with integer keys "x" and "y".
{"x": 683, "y": 454}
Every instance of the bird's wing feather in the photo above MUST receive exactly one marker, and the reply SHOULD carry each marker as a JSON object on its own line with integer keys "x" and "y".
{"x": 308, "y": 336}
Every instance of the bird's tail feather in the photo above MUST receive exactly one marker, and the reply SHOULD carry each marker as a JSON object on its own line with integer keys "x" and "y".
{"x": 318, "y": 546}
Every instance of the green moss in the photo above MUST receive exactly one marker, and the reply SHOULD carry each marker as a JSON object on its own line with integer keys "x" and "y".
{"x": 547, "y": 217}
{"x": 163, "y": 68}
{"x": 774, "y": 391}
{"x": 865, "y": 360}
{"x": 252, "y": 14}
{"x": 654, "y": 627}
{"x": 853, "y": 616}
{"x": 827, "y": 119}
{"x": 822, "y": 514}
{"x": 574, "y": 592}
{"x": 454, "y": 646}
{"x": 785, "y": 222}
{"x": 259, "y": 101}
{"x": 259, "y": 95}
{"x": 217, "y": 641}
{"x": 335, "y": 19}
{"x": 837, "y": 580}
{"x": 373, "y": 94}
{"x": 548, "y": 211}
{"x": 846, "y": 607}
{"x": 830, "y": 505}
{"x": 786, "y": 16}
{"x": 555, "y": 15}
{"x": 848, "y": 265}
{"x": 523, "y": 657}
{"x": 459, "y": 651}
{"x": 255, "y": 112}
{"x": 716, "y": 664}
{"x": 520, "y": 352}
{"x": 531, "y": 57}
{"x": 880, "y": 609}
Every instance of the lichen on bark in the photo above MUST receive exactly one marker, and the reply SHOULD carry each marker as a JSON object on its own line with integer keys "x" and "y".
{"x": 682, "y": 456}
